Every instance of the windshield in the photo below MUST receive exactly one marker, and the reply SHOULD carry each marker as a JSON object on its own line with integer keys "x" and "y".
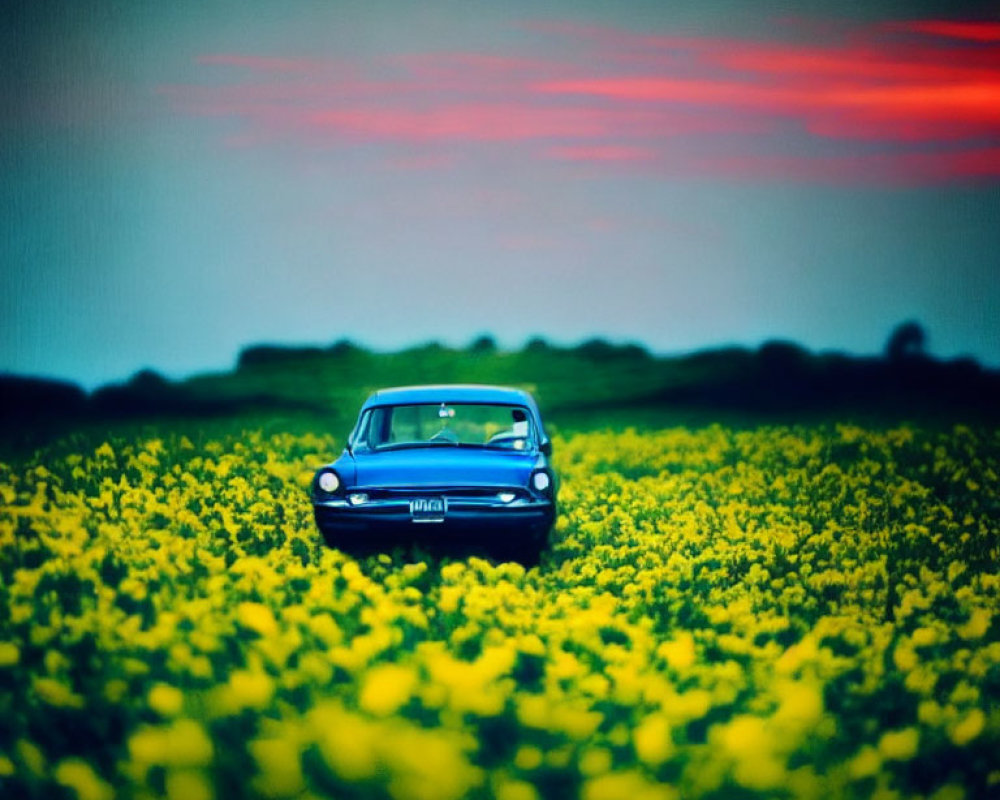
{"x": 428, "y": 424}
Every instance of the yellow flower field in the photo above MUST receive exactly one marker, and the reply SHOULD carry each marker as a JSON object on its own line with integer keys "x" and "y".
{"x": 785, "y": 612}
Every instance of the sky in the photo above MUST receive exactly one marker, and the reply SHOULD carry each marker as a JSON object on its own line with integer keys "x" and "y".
{"x": 181, "y": 180}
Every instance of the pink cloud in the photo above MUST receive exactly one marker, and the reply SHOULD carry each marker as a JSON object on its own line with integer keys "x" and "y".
{"x": 916, "y": 98}
{"x": 473, "y": 69}
{"x": 463, "y": 123}
{"x": 422, "y": 161}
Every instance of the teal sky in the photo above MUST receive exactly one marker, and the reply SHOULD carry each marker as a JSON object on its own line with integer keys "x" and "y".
{"x": 181, "y": 180}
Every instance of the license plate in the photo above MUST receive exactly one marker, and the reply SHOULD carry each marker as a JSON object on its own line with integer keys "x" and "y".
{"x": 428, "y": 509}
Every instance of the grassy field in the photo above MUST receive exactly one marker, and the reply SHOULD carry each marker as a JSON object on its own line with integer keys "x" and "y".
{"x": 726, "y": 611}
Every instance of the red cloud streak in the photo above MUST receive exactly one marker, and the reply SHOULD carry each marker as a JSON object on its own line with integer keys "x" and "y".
{"x": 913, "y": 101}
{"x": 971, "y": 31}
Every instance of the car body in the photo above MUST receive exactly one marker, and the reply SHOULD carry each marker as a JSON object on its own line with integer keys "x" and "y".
{"x": 448, "y": 463}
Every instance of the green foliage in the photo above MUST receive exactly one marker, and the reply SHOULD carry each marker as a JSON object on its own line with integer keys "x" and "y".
{"x": 780, "y": 611}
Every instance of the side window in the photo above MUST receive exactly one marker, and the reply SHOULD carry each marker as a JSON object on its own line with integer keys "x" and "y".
{"x": 379, "y": 427}
{"x": 371, "y": 432}
{"x": 361, "y": 437}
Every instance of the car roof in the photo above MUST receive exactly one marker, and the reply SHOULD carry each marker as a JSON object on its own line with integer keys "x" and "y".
{"x": 450, "y": 393}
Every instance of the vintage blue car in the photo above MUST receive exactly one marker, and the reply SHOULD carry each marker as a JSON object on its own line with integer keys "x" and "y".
{"x": 442, "y": 464}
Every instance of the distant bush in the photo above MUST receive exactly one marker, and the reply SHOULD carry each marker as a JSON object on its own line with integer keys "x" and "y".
{"x": 908, "y": 340}
{"x": 343, "y": 348}
{"x": 536, "y": 344}
{"x": 483, "y": 345}
{"x": 724, "y": 358}
{"x": 784, "y": 378}
{"x": 145, "y": 393}
{"x": 782, "y": 357}
{"x": 31, "y": 398}
{"x": 148, "y": 381}
{"x": 267, "y": 354}
{"x": 149, "y": 394}
{"x": 602, "y": 350}
{"x": 431, "y": 348}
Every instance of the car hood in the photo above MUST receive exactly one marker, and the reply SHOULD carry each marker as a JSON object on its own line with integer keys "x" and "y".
{"x": 443, "y": 466}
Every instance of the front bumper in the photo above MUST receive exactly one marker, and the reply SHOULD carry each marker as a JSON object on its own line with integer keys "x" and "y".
{"x": 478, "y": 520}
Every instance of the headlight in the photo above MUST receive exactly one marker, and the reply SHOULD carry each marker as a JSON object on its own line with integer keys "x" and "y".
{"x": 328, "y": 481}
{"x": 541, "y": 481}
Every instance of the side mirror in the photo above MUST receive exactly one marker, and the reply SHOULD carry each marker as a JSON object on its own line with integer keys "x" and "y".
{"x": 546, "y": 447}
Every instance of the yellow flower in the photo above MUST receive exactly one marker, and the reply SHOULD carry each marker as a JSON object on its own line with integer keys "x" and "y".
{"x": 904, "y": 657}
{"x": 104, "y": 451}
{"x": 165, "y": 700}
{"x": 595, "y": 761}
{"x": 652, "y": 740}
{"x": 56, "y": 693}
{"x": 751, "y": 745}
{"x": 450, "y": 598}
{"x": 188, "y": 784}
{"x": 978, "y": 624}
{"x": 629, "y": 784}
{"x": 245, "y": 689}
{"x": 10, "y": 654}
{"x": 346, "y": 742}
{"x": 539, "y": 712}
{"x": 528, "y": 758}
{"x": 78, "y": 775}
{"x": 866, "y": 763}
{"x": 693, "y": 704}
{"x": 923, "y": 637}
{"x": 514, "y": 790}
{"x": 801, "y": 705}
{"x": 949, "y": 791}
{"x": 921, "y": 680}
{"x": 678, "y": 652}
{"x": 31, "y": 756}
{"x": 257, "y": 617}
{"x": 899, "y": 745}
{"x": 183, "y": 743}
{"x": 279, "y": 767}
{"x": 968, "y": 728}
{"x": 386, "y": 688}
{"x": 326, "y": 629}
{"x": 426, "y": 765}
{"x": 929, "y": 712}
